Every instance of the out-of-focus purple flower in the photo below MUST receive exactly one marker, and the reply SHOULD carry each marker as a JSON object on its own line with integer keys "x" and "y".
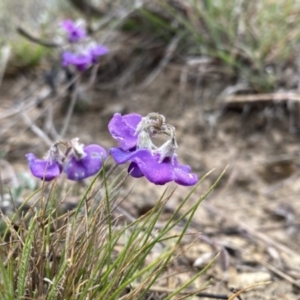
{"x": 158, "y": 165}
{"x": 75, "y": 31}
{"x": 46, "y": 169}
{"x": 96, "y": 51}
{"x": 81, "y": 61}
{"x": 84, "y": 57}
{"x": 83, "y": 161}
{"x": 144, "y": 163}
{"x": 123, "y": 129}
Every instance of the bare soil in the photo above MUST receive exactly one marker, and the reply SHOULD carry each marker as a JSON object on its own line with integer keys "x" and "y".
{"x": 251, "y": 218}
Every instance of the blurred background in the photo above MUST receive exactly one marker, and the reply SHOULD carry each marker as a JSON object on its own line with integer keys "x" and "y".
{"x": 226, "y": 74}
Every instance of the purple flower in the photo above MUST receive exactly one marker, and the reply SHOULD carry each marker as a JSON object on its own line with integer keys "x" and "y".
{"x": 46, "y": 169}
{"x": 158, "y": 165}
{"x": 81, "y": 61}
{"x": 84, "y": 57}
{"x": 79, "y": 162}
{"x": 84, "y": 162}
{"x": 123, "y": 128}
{"x": 75, "y": 31}
{"x": 144, "y": 163}
{"x": 96, "y": 51}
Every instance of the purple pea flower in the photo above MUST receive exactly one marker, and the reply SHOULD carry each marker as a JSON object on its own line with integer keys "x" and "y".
{"x": 158, "y": 165}
{"x": 81, "y": 61}
{"x": 123, "y": 128}
{"x": 74, "y": 31}
{"x": 97, "y": 50}
{"x": 84, "y": 57}
{"x": 46, "y": 169}
{"x": 83, "y": 161}
{"x": 144, "y": 163}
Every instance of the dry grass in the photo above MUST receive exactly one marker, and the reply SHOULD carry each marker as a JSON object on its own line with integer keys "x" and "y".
{"x": 90, "y": 252}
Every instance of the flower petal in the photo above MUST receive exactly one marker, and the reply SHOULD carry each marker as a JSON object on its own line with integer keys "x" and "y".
{"x": 97, "y": 155}
{"x": 183, "y": 177}
{"x": 89, "y": 165}
{"x": 123, "y": 128}
{"x": 75, "y": 32}
{"x": 43, "y": 169}
{"x": 68, "y": 25}
{"x": 120, "y": 156}
{"x": 80, "y": 61}
{"x": 134, "y": 170}
{"x": 155, "y": 172}
{"x": 98, "y": 50}
{"x": 75, "y": 169}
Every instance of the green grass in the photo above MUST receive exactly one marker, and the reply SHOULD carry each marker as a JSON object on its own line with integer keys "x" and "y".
{"x": 88, "y": 252}
{"x": 256, "y": 39}
{"x": 26, "y": 55}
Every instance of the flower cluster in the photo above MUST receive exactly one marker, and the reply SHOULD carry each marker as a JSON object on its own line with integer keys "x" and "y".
{"x": 134, "y": 134}
{"x": 78, "y": 162}
{"x": 158, "y": 164}
{"x": 81, "y": 51}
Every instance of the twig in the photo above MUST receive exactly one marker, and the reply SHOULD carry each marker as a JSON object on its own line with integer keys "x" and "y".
{"x": 45, "y": 109}
{"x": 252, "y": 231}
{"x": 212, "y": 296}
{"x": 163, "y": 63}
{"x": 49, "y": 126}
{"x": 70, "y": 108}
{"x": 279, "y": 273}
{"x": 232, "y": 90}
{"x": 207, "y": 295}
{"x": 36, "y": 40}
{"x": 40, "y": 133}
{"x": 93, "y": 76}
{"x": 262, "y": 97}
{"x": 21, "y": 108}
